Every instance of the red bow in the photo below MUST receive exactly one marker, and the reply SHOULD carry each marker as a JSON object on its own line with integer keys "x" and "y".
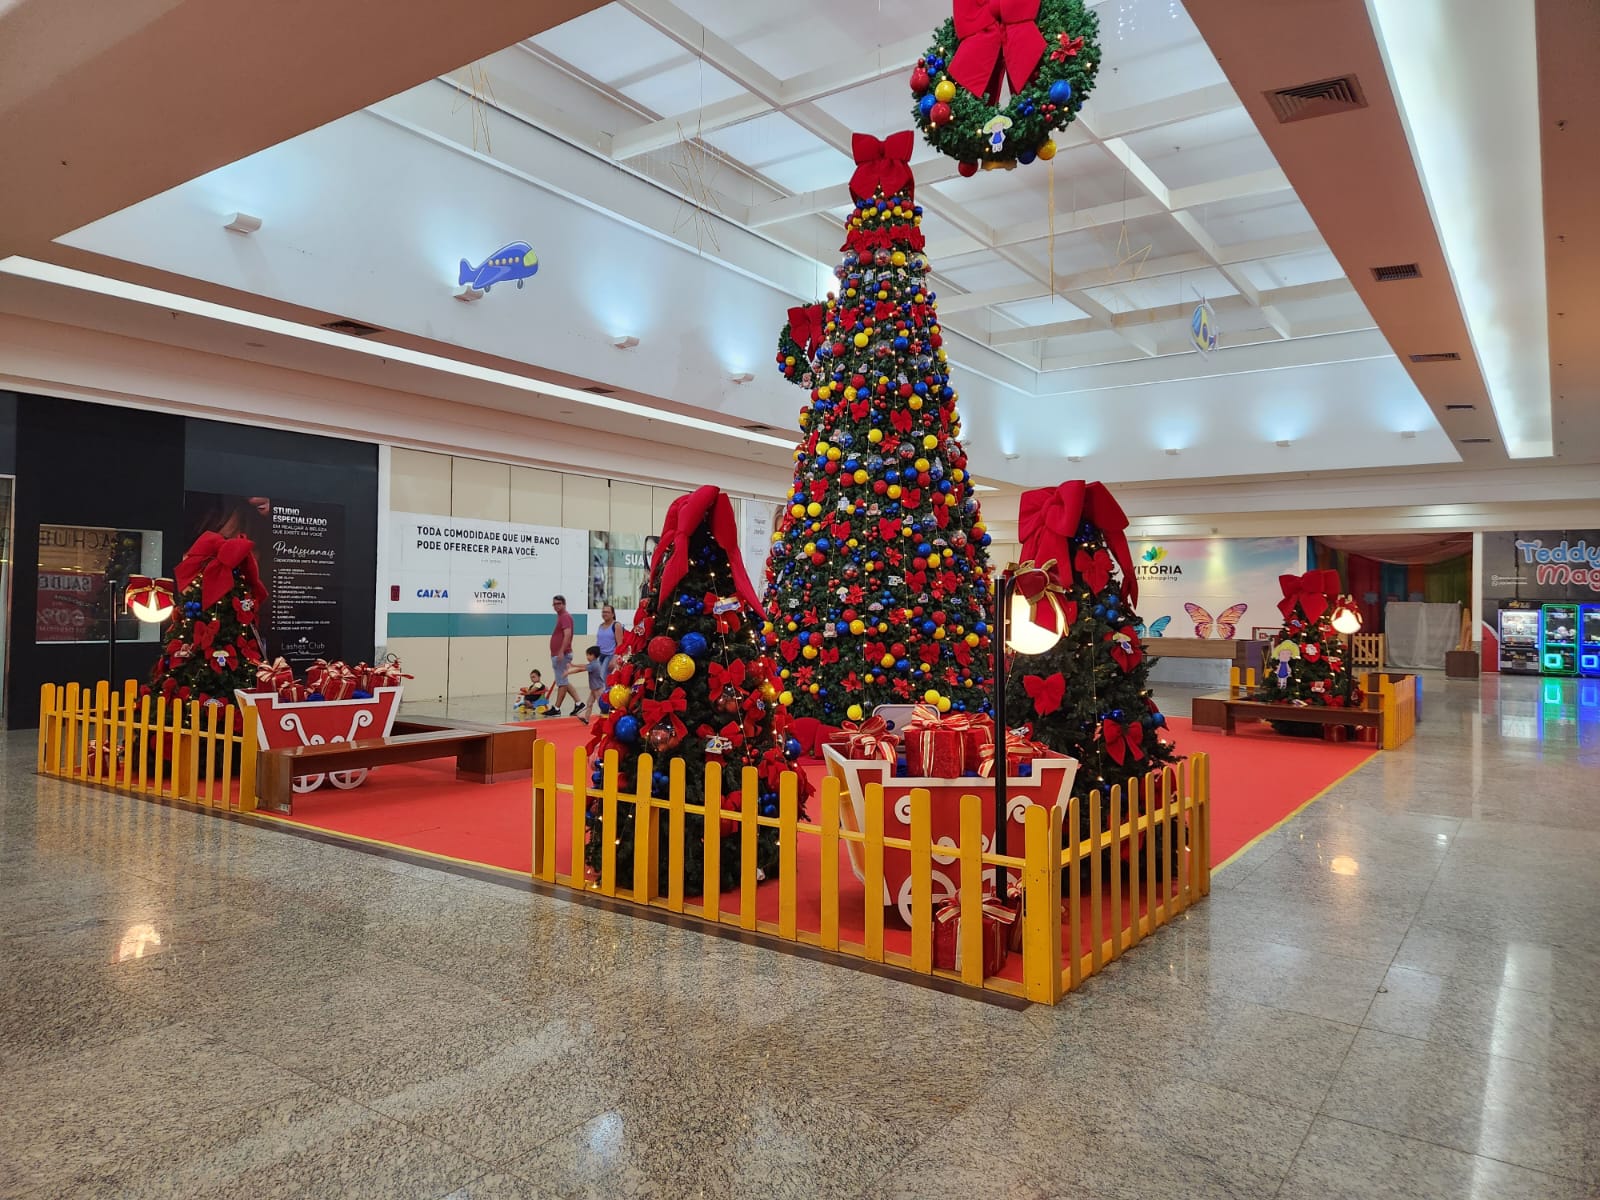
{"x": 998, "y": 37}
{"x": 1048, "y": 518}
{"x": 205, "y": 635}
{"x": 729, "y": 620}
{"x": 657, "y": 712}
{"x": 887, "y": 237}
{"x": 870, "y": 739}
{"x": 709, "y": 507}
{"x": 882, "y": 165}
{"x": 1125, "y": 648}
{"x": 1047, "y": 692}
{"x": 805, "y": 326}
{"x": 719, "y": 676}
{"x": 1120, "y": 740}
{"x": 214, "y": 558}
{"x": 1314, "y": 592}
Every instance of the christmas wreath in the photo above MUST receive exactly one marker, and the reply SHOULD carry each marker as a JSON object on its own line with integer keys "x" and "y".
{"x": 797, "y": 343}
{"x": 1045, "y": 50}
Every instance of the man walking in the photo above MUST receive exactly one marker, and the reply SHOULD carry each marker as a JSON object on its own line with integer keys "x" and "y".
{"x": 561, "y": 659}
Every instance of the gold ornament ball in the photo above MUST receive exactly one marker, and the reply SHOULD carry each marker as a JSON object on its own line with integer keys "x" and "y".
{"x": 944, "y": 91}
{"x": 853, "y": 712}
{"x": 680, "y": 667}
{"x": 1047, "y": 151}
{"x": 618, "y": 696}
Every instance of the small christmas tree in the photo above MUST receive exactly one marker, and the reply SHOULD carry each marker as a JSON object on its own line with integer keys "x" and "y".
{"x": 878, "y": 576}
{"x": 1089, "y": 695}
{"x": 692, "y": 683}
{"x": 213, "y": 643}
{"x": 1306, "y": 662}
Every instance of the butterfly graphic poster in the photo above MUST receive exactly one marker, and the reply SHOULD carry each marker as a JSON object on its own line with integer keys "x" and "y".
{"x": 1217, "y": 588}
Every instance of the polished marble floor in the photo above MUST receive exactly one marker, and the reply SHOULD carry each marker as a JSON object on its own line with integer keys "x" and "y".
{"x": 1390, "y": 996}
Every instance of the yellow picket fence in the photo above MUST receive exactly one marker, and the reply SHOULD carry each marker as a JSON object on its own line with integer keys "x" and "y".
{"x": 1061, "y": 880}
{"x": 178, "y": 751}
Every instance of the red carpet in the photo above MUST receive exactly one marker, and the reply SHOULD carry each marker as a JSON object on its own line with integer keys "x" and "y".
{"x": 1257, "y": 779}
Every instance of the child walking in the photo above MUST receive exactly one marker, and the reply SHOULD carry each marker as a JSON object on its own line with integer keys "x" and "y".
{"x": 597, "y": 682}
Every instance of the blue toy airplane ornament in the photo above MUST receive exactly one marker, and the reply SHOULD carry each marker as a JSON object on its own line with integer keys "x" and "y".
{"x": 515, "y": 261}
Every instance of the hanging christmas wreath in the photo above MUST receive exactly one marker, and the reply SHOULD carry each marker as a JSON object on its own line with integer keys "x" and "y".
{"x": 798, "y": 341}
{"x": 1044, "y": 49}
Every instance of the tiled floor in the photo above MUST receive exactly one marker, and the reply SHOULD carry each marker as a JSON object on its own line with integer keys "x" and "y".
{"x": 1391, "y": 996}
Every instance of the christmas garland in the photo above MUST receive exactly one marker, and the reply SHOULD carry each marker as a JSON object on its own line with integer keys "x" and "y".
{"x": 1045, "y": 49}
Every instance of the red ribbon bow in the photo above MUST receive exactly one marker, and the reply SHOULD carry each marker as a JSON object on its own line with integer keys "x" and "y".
{"x": 882, "y": 165}
{"x": 887, "y": 237}
{"x": 998, "y": 38}
{"x": 707, "y": 507}
{"x": 1314, "y": 592}
{"x": 805, "y": 326}
{"x": 1046, "y": 691}
{"x": 719, "y": 676}
{"x": 1019, "y": 749}
{"x": 214, "y": 558}
{"x": 870, "y": 739}
{"x": 1048, "y": 518}
{"x": 1121, "y": 740}
{"x": 658, "y": 711}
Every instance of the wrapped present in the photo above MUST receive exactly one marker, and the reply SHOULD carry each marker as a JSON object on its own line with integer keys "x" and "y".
{"x": 274, "y": 676}
{"x": 294, "y": 692}
{"x": 1019, "y": 750}
{"x": 936, "y": 748}
{"x": 338, "y": 683}
{"x": 316, "y": 673}
{"x": 870, "y": 739}
{"x": 977, "y": 733}
{"x": 98, "y": 762}
{"x": 998, "y": 920}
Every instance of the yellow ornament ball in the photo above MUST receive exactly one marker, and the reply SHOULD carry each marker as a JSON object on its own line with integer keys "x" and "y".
{"x": 886, "y": 661}
{"x": 813, "y": 509}
{"x": 874, "y": 436}
{"x": 814, "y": 688}
{"x": 799, "y": 510}
{"x": 786, "y": 698}
{"x": 914, "y": 403}
{"x": 931, "y": 695}
{"x": 809, "y": 651}
{"x": 898, "y": 258}
{"x": 681, "y": 667}
{"x": 860, "y": 475}
{"x": 857, "y": 626}
{"x": 943, "y": 703}
{"x": 972, "y": 639}
{"x": 921, "y": 464}
{"x": 861, "y": 340}
{"x": 945, "y": 91}
{"x": 618, "y": 696}
{"x": 929, "y": 441}
{"x": 1047, "y": 151}
{"x": 853, "y": 712}
{"x": 833, "y": 453}
{"x": 894, "y": 491}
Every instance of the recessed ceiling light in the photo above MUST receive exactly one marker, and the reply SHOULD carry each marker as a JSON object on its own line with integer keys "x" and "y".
{"x": 1283, "y": 443}
{"x": 1173, "y": 451}
{"x": 1074, "y": 458}
{"x": 1013, "y": 457}
{"x": 243, "y": 223}
{"x": 1408, "y": 434}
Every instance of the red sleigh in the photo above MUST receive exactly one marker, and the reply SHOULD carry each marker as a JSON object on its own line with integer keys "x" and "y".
{"x": 285, "y": 724}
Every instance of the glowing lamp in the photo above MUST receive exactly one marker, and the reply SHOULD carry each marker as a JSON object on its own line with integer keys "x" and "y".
{"x": 1346, "y": 617}
{"x": 1023, "y": 633}
{"x": 150, "y": 599}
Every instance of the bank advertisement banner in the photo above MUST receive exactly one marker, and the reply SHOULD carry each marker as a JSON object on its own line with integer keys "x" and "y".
{"x": 1213, "y": 587}
{"x": 459, "y": 577}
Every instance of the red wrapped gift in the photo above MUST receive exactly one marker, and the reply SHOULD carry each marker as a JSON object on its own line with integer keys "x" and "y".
{"x": 935, "y": 748}
{"x": 870, "y": 739}
{"x": 293, "y": 693}
{"x": 274, "y": 676}
{"x": 1019, "y": 750}
{"x": 997, "y": 922}
{"x": 316, "y": 675}
{"x": 977, "y": 732}
{"x": 339, "y": 683}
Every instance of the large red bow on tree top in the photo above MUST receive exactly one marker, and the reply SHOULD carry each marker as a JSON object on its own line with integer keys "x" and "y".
{"x": 884, "y": 165}
{"x": 709, "y": 507}
{"x": 1048, "y": 517}
{"x": 805, "y": 326}
{"x": 1314, "y": 592}
{"x": 214, "y": 558}
{"x": 998, "y": 37}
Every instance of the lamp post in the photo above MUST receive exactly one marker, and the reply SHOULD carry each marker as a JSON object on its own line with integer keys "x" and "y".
{"x": 151, "y": 600}
{"x": 1015, "y": 629}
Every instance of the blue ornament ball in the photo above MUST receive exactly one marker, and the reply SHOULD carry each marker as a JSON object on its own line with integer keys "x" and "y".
{"x": 693, "y": 644}
{"x": 1160, "y": 720}
{"x": 985, "y": 540}
{"x": 1060, "y": 92}
{"x": 925, "y": 105}
{"x": 791, "y": 747}
{"x": 627, "y": 729}
{"x": 1025, "y": 156}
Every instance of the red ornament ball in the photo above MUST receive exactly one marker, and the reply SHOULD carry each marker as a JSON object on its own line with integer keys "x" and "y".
{"x": 967, "y": 169}
{"x": 661, "y": 649}
{"x": 919, "y": 80}
{"x": 939, "y": 114}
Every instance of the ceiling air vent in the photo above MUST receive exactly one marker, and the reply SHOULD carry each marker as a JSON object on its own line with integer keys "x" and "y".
{"x": 1450, "y": 356}
{"x": 353, "y": 328}
{"x": 1320, "y": 99}
{"x": 594, "y": 389}
{"x": 759, "y": 429}
{"x": 1476, "y": 441}
{"x": 1460, "y": 407}
{"x": 1396, "y": 271}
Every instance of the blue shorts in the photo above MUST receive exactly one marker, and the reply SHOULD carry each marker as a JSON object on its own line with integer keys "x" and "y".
{"x": 560, "y": 664}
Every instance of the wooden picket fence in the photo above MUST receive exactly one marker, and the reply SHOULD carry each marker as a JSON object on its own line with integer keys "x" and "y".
{"x": 1055, "y": 887}
{"x": 178, "y": 751}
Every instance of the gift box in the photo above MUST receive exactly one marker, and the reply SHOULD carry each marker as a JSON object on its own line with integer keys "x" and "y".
{"x": 338, "y": 683}
{"x": 274, "y": 676}
{"x": 998, "y": 922}
{"x": 1020, "y": 752}
{"x": 316, "y": 674}
{"x": 870, "y": 739}
{"x": 936, "y": 747}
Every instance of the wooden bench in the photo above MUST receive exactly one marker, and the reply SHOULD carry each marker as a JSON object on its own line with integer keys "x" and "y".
{"x": 1238, "y": 710}
{"x": 278, "y": 769}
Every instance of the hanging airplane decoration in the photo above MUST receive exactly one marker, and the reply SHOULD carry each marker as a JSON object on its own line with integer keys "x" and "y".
{"x": 515, "y": 261}
{"x": 1203, "y": 328}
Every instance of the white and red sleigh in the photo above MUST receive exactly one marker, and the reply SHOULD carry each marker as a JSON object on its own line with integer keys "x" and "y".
{"x": 286, "y": 724}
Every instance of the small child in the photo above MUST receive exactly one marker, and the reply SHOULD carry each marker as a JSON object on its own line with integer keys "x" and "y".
{"x": 533, "y": 698}
{"x": 597, "y": 682}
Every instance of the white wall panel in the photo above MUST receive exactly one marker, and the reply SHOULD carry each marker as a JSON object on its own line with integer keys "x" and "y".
{"x": 480, "y": 489}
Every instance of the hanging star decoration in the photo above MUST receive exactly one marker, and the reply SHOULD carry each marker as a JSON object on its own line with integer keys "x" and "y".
{"x": 694, "y": 182}
{"x": 1129, "y": 257}
{"x": 478, "y": 94}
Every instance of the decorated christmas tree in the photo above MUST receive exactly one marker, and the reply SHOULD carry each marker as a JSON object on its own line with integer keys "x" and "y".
{"x": 692, "y": 682}
{"x": 1089, "y": 696}
{"x": 878, "y": 580}
{"x": 212, "y": 640}
{"x": 1306, "y": 661}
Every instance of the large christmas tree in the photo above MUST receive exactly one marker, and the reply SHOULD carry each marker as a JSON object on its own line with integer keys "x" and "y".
{"x": 1306, "y": 662}
{"x": 1089, "y": 696}
{"x": 691, "y": 682}
{"x": 213, "y": 643}
{"x": 878, "y": 581}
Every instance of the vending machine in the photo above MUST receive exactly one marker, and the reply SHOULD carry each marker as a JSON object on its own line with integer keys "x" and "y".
{"x": 1519, "y": 638}
{"x": 1589, "y": 639}
{"x": 1558, "y": 639}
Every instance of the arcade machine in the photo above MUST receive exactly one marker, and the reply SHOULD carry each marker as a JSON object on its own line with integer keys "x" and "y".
{"x": 1519, "y": 638}
{"x": 1589, "y": 639}
{"x": 1558, "y": 639}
